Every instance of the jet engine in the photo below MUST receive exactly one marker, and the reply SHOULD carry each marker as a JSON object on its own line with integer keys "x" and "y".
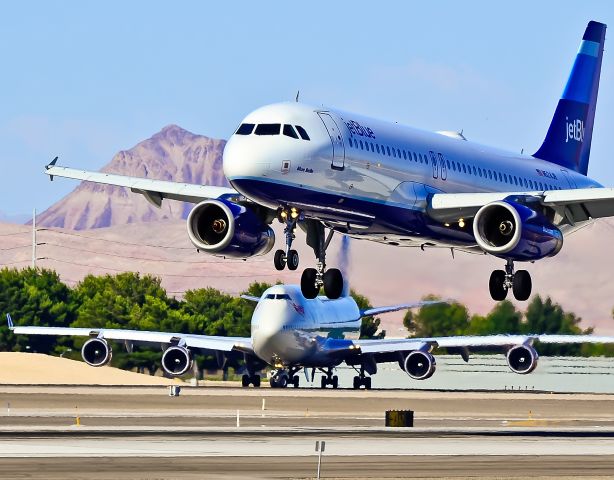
{"x": 510, "y": 230}
{"x": 176, "y": 360}
{"x": 228, "y": 229}
{"x": 96, "y": 352}
{"x": 522, "y": 359}
{"x": 419, "y": 365}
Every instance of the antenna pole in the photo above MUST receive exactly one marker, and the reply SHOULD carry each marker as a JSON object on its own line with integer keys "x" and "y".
{"x": 34, "y": 238}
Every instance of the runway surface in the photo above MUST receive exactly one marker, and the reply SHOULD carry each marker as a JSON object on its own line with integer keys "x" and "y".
{"x": 142, "y": 433}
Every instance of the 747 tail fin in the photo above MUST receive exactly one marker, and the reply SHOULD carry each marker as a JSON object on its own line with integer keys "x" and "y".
{"x": 568, "y": 141}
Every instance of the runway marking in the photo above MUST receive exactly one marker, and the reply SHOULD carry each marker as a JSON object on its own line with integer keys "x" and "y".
{"x": 337, "y": 446}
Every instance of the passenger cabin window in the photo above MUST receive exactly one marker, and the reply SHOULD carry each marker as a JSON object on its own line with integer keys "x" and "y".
{"x": 302, "y": 132}
{"x": 290, "y": 132}
{"x": 268, "y": 129}
{"x": 245, "y": 129}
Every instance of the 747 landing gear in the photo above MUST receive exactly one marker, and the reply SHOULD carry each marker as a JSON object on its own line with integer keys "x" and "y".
{"x": 502, "y": 281}
{"x": 288, "y": 256}
{"x": 361, "y": 380}
{"x": 284, "y": 378}
{"x": 315, "y": 278}
{"x": 329, "y": 379}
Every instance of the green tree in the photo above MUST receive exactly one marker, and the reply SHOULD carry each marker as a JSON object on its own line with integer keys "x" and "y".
{"x": 503, "y": 318}
{"x": 440, "y": 320}
{"x": 34, "y": 297}
{"x": 549, "y": 317}
{"x": 108, "y": 301}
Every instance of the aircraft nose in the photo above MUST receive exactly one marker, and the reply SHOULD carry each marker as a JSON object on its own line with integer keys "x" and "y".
{"x": 242, "y": 158}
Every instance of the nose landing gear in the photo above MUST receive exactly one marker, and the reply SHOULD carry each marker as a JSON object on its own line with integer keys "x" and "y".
{"x": 288, "y": 256}
{"x": 283, "y": 378}
{"x": 502, "y": 281}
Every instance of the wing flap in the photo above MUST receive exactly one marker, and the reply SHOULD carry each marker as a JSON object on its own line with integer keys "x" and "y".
{"x": 575, "y": 205}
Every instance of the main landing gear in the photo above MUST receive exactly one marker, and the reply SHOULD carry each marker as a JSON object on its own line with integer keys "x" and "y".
{"x": 312, "y": 279}
{"x": 283, "y": 378}
{"x": 329, "y": 379}
{"x": 361, "y": 380}
{"x": 250, "y": 379}
{"x": 502, "y": 281}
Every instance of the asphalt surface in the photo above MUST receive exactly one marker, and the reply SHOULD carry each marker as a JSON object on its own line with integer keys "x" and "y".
{"x": 142, "y": 433}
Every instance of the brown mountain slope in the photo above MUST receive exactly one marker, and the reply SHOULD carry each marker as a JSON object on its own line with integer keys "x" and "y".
{"x": 171, "y": 154}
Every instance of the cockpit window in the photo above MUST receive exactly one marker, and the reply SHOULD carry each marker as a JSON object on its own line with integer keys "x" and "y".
{"x": 268, "y": 129}
{"x": 245, "y": 129}
{"x": 290, "y": 132}
{"x": 302, "y": 132}
{"x": 277, "y": 296}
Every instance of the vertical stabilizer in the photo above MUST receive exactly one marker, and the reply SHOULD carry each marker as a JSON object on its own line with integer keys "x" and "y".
{"x": 568, "y": 141}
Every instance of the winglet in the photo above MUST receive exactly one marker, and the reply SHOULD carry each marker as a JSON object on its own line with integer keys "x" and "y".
{"x": 51, "y": 164}
{"x": 10, "y": 321}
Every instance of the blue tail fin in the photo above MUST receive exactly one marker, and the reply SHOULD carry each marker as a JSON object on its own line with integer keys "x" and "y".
{"x": 568, "y": 141}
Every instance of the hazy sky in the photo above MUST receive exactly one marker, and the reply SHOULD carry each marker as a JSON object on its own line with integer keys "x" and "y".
{"x": 83, "y": 80}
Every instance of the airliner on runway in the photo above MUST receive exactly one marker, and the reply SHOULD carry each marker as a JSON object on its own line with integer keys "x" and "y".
{"x": 290, "y": 332}
{"x": 326, "y": 169}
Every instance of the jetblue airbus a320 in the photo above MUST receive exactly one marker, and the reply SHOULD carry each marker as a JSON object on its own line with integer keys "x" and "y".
{"x": 327, "y": 170}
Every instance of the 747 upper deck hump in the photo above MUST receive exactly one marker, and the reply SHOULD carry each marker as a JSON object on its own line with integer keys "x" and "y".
{"x": 326, "y": 170}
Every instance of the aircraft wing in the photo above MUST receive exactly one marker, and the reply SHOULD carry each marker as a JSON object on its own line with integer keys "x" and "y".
{"x": 389, "y": 345}
{"x": 203, "y": 342}
{"x": 574, "y": 205}
{"x": 400, "y": 306}
{"x": 153, "y": 190}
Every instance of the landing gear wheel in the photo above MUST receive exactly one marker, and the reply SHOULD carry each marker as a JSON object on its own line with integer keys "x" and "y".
{"x": 367, "y": 383}
{"x": 308, "y": 283}
{"x": 335, "y": 381}
{"x": 292, "y": 260}
{"x": 256, "y": 381}
{"x": 522, "y": 285}
{"x": 295, "y": 381}
{"x": 245, "y": 381}
{"x": 280, "y": 260}
{"x": 333, "y": 283}
{"x": 323, "y": 382}
{"x": 498, "y": 291}
{"x": 357, "y": 382}
{"x": 282, "y": 381}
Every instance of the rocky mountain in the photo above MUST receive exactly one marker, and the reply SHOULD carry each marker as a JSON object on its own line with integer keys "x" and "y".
{"x": 171, "y": 154}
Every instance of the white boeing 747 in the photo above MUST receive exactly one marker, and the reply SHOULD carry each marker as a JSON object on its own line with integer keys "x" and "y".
{"x": 290, "y": 332}
{"x": 327, "y": 170}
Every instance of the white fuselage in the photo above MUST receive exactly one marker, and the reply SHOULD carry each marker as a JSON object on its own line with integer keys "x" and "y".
{"x": 370, "y": 178}
{"x": 288, "y": 329}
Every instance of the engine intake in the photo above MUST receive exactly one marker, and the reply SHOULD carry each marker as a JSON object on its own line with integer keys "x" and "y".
{"x": 522, "y": 359}
{"x": 176, "y": 360}
{"x": 228, "y": 229}
{"x": 419, "y": 365}
{"x": 96, "y": 352}
{"x": 511, "y": 230}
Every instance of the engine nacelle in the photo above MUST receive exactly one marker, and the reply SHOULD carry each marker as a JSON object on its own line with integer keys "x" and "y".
{"x": 510, "y": 230}
{"x": 96, "y": 352}
{"x": 419, "y": 365}
{"x": 522, "y": 359}
{"x": 228, "y": 229}
{"x": 176, "y": 360}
